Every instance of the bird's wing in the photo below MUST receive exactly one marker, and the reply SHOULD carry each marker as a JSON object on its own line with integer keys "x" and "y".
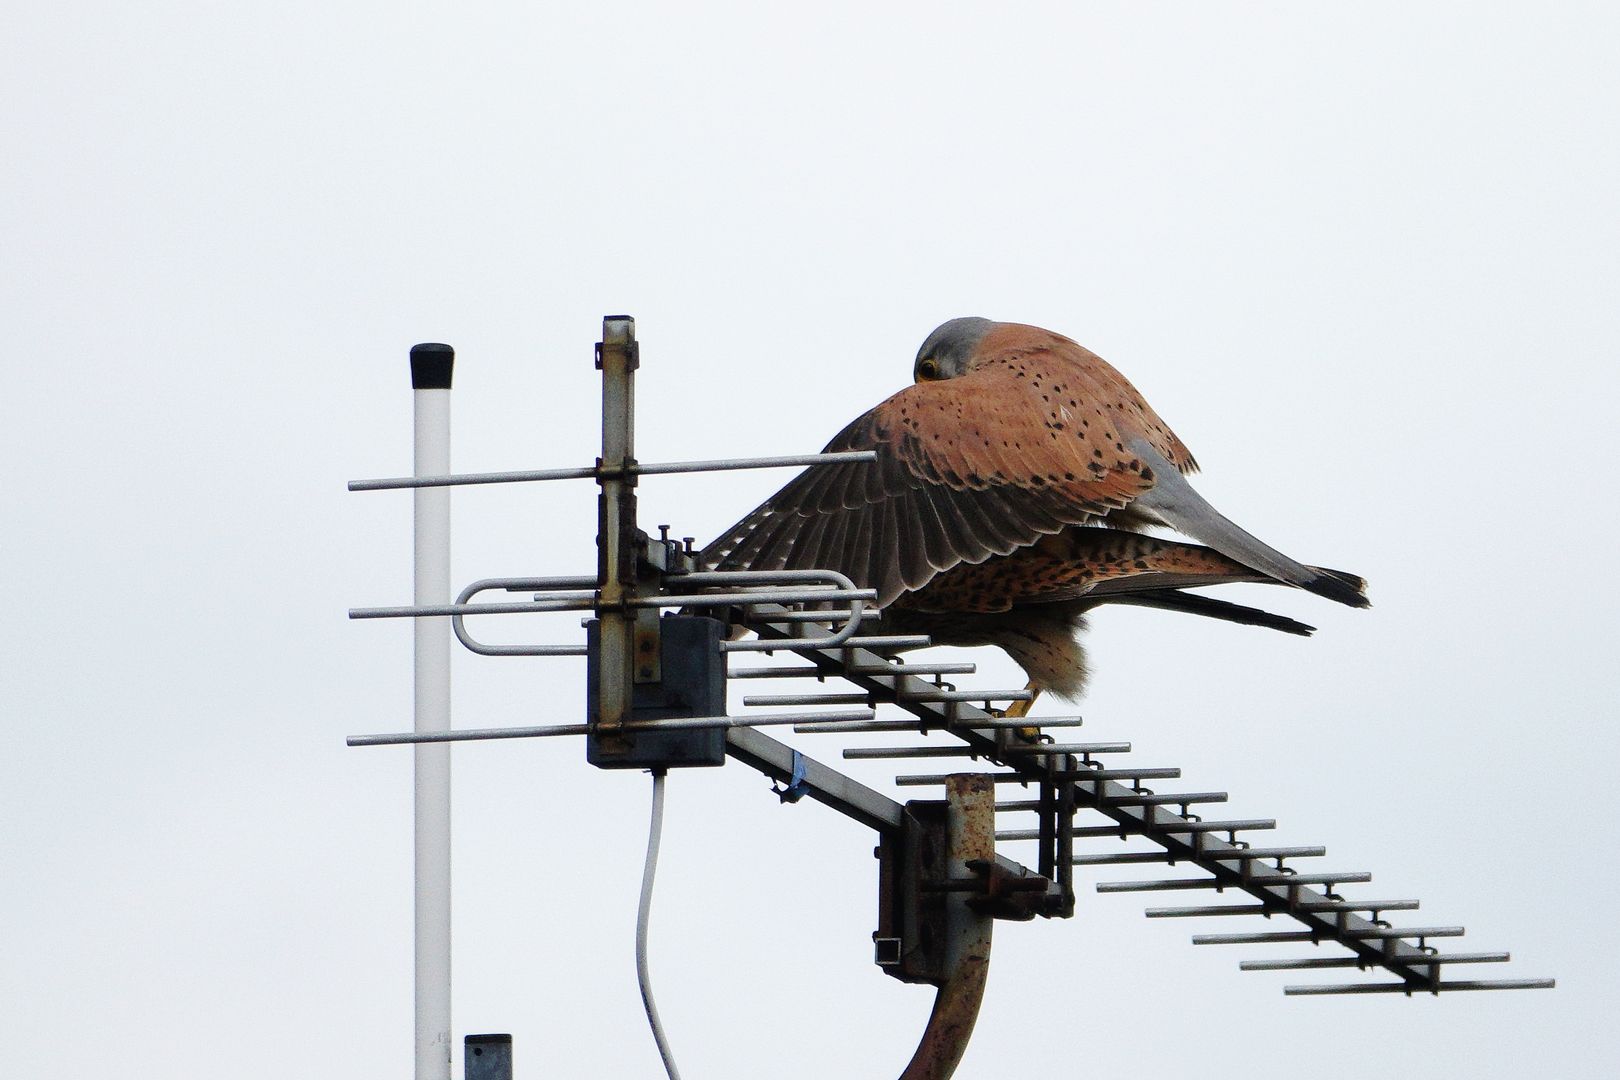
{"x": 1086, "y": 563}
{"x": 1077, "y": 563}
{"x": 967, "y": 468}
{"x": 1139, "y": 433}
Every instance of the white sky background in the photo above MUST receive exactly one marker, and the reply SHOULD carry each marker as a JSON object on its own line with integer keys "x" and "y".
{"x": 1362, "y": 259}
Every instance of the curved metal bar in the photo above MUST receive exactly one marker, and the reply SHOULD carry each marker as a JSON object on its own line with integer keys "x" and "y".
{"x": 841, "y": 589}
{"x": 970, "y": 849}
{"x": 517, "y": 584}
{"x": 587, "y": 600}
{"x": 787, "y": 577}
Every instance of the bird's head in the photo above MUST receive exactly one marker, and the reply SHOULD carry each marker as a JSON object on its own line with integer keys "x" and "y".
{"x": 946, "y": 353}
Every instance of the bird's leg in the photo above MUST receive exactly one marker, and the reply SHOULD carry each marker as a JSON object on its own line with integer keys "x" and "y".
{"x": 1017, "y": 710}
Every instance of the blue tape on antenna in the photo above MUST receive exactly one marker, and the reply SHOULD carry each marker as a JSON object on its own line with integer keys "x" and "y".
{"x": 796, "y": 788}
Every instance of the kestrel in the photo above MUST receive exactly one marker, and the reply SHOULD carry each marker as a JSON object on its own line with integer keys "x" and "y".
{"x": 1010, "y": 480}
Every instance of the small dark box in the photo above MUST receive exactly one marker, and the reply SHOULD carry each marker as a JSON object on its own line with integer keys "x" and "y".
{"x": 694, "y": 684}
{"x": 487, "y": 1057}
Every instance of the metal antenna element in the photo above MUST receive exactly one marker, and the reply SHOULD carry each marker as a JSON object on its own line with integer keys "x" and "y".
{"x": 660, "y": 637}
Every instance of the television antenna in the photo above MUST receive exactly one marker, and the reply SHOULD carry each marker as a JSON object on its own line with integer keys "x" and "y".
{"x": 659, "y": 665}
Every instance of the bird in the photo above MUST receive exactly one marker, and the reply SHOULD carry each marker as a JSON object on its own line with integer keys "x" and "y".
{"x": 1012, "y": 485}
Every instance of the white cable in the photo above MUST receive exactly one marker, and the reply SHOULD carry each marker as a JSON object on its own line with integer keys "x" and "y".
{"x": 642, "y": 913}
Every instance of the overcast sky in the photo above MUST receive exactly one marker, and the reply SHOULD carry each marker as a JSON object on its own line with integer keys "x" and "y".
{"x": 1363, "y": 259}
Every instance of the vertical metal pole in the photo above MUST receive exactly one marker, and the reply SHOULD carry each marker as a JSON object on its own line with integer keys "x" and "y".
{"x": 431, "y": 366}
{"x": 616, "y": 518}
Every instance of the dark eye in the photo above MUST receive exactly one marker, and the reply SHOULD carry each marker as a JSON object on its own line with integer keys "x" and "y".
{"x": 928, "y": 369}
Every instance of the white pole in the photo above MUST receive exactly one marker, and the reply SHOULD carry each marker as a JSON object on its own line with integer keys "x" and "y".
{"x": 430, "y": 382}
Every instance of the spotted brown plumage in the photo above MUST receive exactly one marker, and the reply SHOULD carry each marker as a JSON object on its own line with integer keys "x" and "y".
{"x": 1073, "y": 564}
{"x": 1032, "y": 603}
{"x": 993, "y": 472}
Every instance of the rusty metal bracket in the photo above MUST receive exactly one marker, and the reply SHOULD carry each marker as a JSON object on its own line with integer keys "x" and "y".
{"x": 961, "y": 932}
{"x": 1003, "y": 894}
{"x": 940, "y": 888}
{"x": 618, "y": 540}
{"x": 649, "y": 648}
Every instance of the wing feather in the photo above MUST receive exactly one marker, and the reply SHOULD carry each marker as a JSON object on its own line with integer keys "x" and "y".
{"x": 967, "y": 468}
{"x": 1081, "y": 563}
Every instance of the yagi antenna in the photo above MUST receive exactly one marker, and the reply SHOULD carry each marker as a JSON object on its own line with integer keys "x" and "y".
{"x": 659, "y": 648}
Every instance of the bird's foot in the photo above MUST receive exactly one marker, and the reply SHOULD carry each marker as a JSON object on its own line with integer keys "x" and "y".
{"x": 1017, "y": 710}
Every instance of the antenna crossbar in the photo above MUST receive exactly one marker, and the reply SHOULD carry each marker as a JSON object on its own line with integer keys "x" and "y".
{"x": 595, "y": 472}
{"x": 1231, "y": 863}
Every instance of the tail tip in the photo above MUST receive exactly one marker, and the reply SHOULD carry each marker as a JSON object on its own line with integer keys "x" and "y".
{"x": 1337, "y": 585}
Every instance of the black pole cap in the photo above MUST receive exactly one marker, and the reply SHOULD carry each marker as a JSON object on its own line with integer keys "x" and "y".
{"x": 431, "y": 364}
